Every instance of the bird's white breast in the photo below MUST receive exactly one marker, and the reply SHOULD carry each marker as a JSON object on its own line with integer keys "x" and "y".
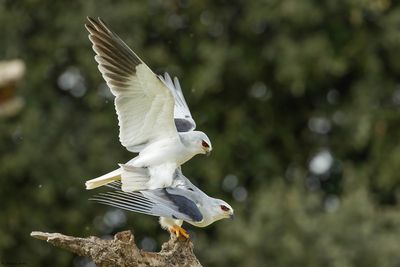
{"x": 163, "y": 151}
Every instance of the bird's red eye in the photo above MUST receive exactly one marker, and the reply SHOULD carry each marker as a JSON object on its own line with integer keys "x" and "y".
{"x": 224, "y": 208}
{"x": 204, "y": 144}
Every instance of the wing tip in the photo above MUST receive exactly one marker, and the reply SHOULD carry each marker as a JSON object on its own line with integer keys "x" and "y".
{"x": 102, "y": 22}
{"x": 91, "y": 25}
{"x": 90, "y": 21}
{"x": 97, "y": 25}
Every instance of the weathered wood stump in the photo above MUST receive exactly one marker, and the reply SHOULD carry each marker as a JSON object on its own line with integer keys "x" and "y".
{"x": 122, "y": 250}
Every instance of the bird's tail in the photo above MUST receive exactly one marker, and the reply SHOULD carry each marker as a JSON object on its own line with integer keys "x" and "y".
{"x": 104, "y": 179}
{"x": 134, "y": 178}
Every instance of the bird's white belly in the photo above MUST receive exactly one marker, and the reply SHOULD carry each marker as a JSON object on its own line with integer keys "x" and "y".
{"x": 157, "y": 153}
{"x": 167, "y": 223}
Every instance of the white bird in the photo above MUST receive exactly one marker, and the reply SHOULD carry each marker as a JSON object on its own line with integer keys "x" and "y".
{"x": 183, "y": 201}
{"x": 153, "y": 116}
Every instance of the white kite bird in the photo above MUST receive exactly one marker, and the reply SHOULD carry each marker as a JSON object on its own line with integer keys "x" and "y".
{"x": 180, "y": 202}
{"x": 154, "y": 119}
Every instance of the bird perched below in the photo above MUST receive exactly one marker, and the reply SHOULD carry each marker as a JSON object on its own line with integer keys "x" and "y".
{"x": 183, "y": 201}
{"x": 154, "y": 119}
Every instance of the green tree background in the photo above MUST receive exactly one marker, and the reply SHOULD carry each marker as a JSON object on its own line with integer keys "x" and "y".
{"x": 301, "y": 100}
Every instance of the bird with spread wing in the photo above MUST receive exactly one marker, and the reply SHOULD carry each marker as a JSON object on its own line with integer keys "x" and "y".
{"x": 182, "y": 201}
{"x": 154, "y": 119}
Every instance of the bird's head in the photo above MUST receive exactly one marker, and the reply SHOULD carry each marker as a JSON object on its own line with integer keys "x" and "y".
{"x": 199, "y": 141}
{"x": 221, "y": 210}
{"x": 204, "y": 143}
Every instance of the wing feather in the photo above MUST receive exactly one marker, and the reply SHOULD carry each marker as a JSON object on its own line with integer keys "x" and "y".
{"x": 144, "y": 104}
{"x": 183, "y": 118}
{"x": 156, "y": 202}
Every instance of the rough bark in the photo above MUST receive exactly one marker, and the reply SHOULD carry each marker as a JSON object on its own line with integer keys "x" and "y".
{"x": 122, "y": 250}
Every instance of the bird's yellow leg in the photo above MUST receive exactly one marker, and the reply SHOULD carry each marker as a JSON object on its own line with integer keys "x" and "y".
{"x": 179, "y": 232}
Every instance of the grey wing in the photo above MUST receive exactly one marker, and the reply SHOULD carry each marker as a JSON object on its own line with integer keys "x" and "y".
{"x": 183, "y": 118}
{"x": 182, "y": 183}
{"x": 158, "y": 202}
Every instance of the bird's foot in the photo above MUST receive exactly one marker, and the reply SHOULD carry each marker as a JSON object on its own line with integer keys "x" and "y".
{"x": 179, "y": 232}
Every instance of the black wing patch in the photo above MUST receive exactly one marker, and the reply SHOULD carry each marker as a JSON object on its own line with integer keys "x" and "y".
{"x": 183, "y": 125}
{"x": 185, "y": 206}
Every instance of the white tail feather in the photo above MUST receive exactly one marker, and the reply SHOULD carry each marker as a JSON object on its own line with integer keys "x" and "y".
{"x": 132, "y": 178}
{"x": 104, "y": 179}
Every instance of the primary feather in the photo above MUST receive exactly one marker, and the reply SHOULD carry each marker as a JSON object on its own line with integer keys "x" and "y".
{"x": 145, "y": 106}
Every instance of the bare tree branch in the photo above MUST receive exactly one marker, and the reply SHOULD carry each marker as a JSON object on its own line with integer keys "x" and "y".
{"x": 122, "y": 250}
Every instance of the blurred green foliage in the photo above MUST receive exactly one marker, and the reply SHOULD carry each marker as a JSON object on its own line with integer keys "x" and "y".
{"x": 301, "y": 100}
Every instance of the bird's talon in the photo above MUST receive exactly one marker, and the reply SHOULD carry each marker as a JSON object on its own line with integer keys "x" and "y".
{"x": 179, "y": 232}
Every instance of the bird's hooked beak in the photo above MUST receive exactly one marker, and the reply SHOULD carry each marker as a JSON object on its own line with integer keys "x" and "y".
{"x": 230, "y": 214}
{"x": 207, "y": 151}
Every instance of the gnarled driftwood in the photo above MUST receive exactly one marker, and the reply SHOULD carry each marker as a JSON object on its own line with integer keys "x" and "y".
{"x": 122, "y": 250}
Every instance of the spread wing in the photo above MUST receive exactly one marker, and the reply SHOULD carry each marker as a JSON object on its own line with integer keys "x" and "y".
{"x": 158, "y": 202}
{"x": 144, "y": 104}
{"x": 183, "y": 118}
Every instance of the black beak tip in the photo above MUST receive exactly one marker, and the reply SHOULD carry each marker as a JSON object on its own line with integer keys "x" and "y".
{"x": 232, "y": 216}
